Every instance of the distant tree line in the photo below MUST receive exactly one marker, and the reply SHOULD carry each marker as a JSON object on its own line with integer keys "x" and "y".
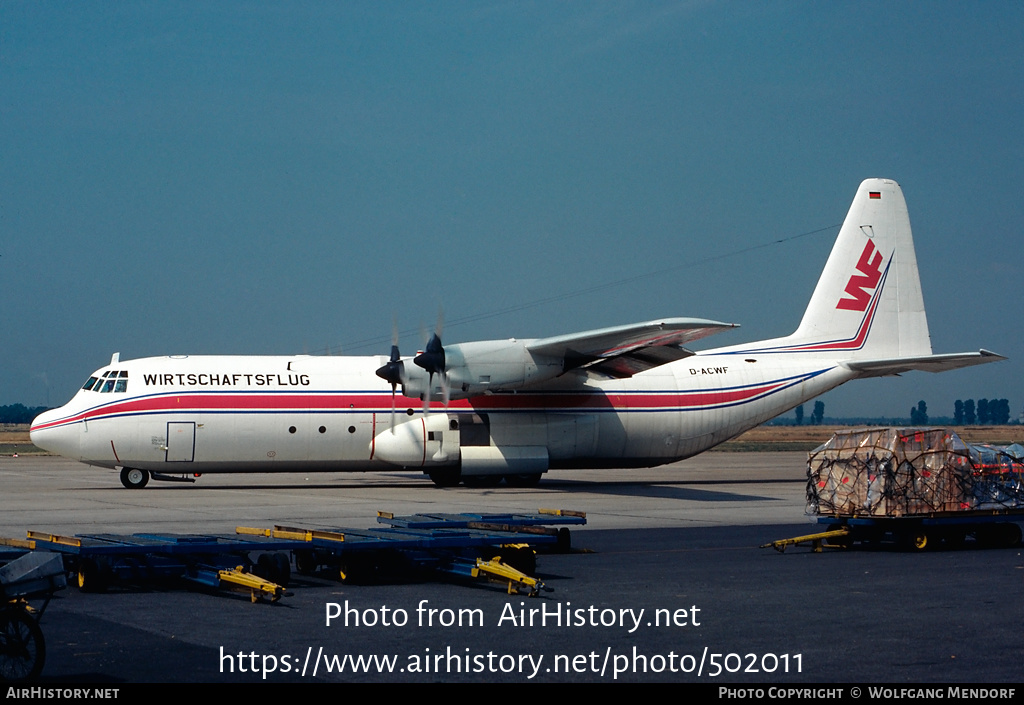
{"x": 19, "y": 413}
{"x": 992, "y": 412}
{"x": 987, "y": 411}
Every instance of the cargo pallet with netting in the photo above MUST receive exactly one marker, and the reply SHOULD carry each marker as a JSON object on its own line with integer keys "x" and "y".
{"x": 919, "y": 487}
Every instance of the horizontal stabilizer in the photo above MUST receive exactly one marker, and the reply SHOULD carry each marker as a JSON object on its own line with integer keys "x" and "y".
{"x": 622, "y": 351}
{"x": 926, "y": 363}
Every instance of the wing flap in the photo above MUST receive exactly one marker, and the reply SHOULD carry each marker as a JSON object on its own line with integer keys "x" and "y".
{"x": 926, "y": 363}
{"x": 622, "y": 351}
{"x": 637, "y": 361}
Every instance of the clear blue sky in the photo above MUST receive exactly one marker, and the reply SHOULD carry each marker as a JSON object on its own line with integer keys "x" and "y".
{"x": 229, "y": 178}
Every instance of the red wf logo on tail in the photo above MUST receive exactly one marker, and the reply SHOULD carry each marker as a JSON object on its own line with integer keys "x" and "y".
{"x": 861, "y": 285}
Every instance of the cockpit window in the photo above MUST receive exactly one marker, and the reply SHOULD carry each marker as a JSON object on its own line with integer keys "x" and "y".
{"x": 110, "y": 381}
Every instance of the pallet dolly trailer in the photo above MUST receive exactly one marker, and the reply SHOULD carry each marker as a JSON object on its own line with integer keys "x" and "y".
{"x": 494, "y": 546}
{"x": 997, "y": 528}
{"x": 498, "y": 547}
{"x": 98, "y": 561}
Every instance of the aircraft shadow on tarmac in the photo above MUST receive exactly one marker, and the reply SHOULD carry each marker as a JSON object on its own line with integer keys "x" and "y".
{"x": 653, "y": 489}
{"x": 660, "y": 489}
{"x": 206, "y": 485}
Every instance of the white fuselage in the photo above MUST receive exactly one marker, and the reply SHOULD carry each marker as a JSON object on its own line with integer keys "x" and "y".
{"x": 189, "y": 414}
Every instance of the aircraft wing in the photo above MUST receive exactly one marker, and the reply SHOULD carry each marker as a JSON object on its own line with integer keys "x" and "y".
{"x": 927, "y": 363}
{"x": 623, "y": 351}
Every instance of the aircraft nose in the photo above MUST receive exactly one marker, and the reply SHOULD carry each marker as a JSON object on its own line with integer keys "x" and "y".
{"x": 47, "y": 432}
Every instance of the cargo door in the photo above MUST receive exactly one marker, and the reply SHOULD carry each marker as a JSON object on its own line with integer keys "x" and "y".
{"x": 181, "y": 441}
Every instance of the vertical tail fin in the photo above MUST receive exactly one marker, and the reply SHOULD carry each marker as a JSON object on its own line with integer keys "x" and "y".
{"x": 867, "y": 312}
{"x": 868, "y": 301}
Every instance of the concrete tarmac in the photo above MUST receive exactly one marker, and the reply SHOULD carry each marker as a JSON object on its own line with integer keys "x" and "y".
{"x": 667, "y": 583}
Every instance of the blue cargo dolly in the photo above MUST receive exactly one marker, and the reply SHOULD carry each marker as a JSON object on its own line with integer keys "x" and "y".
{"x": 425, "y": 543}
{"x": 497, "y": 546}
{"x": 994, "y": 528}
{"x": 215, "y": 561}
{"x": 538, "y": 524}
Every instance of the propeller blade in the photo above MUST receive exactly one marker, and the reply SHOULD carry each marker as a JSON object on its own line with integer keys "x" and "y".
{"x": 432, "y": 358}
{"x": 426, "y": 395}
{"x": 393, "y": 387}
{"x": 393, "y": 371}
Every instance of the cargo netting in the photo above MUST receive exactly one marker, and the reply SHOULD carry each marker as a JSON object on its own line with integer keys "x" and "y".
{"x": 892, "y": 472}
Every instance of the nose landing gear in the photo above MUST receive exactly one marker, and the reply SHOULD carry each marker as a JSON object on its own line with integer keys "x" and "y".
{"x": 133, "y": 478}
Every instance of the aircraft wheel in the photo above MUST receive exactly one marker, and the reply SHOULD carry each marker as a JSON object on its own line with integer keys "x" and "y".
{"x": 481, "y": 481}
{"x": 22, "y": 648}
{"x": 134, "y": 478}
{"x": 444, "y": 478}
{"x": 523, "y": 480}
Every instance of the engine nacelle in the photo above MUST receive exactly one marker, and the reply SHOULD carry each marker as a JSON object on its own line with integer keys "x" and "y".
{"x": 480, "y": 367}
{"x": 427, "y": 441}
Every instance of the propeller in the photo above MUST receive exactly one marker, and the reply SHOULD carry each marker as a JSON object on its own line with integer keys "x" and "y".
{"x": 393, "y": 371}
{"x": 432, "y": 360}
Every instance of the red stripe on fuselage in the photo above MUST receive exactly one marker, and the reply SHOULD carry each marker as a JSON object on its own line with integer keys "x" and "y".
{"x": 377, "y": 402}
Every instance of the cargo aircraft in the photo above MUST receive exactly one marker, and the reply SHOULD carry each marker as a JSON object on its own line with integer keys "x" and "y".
{"x": 482, "y": 412}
